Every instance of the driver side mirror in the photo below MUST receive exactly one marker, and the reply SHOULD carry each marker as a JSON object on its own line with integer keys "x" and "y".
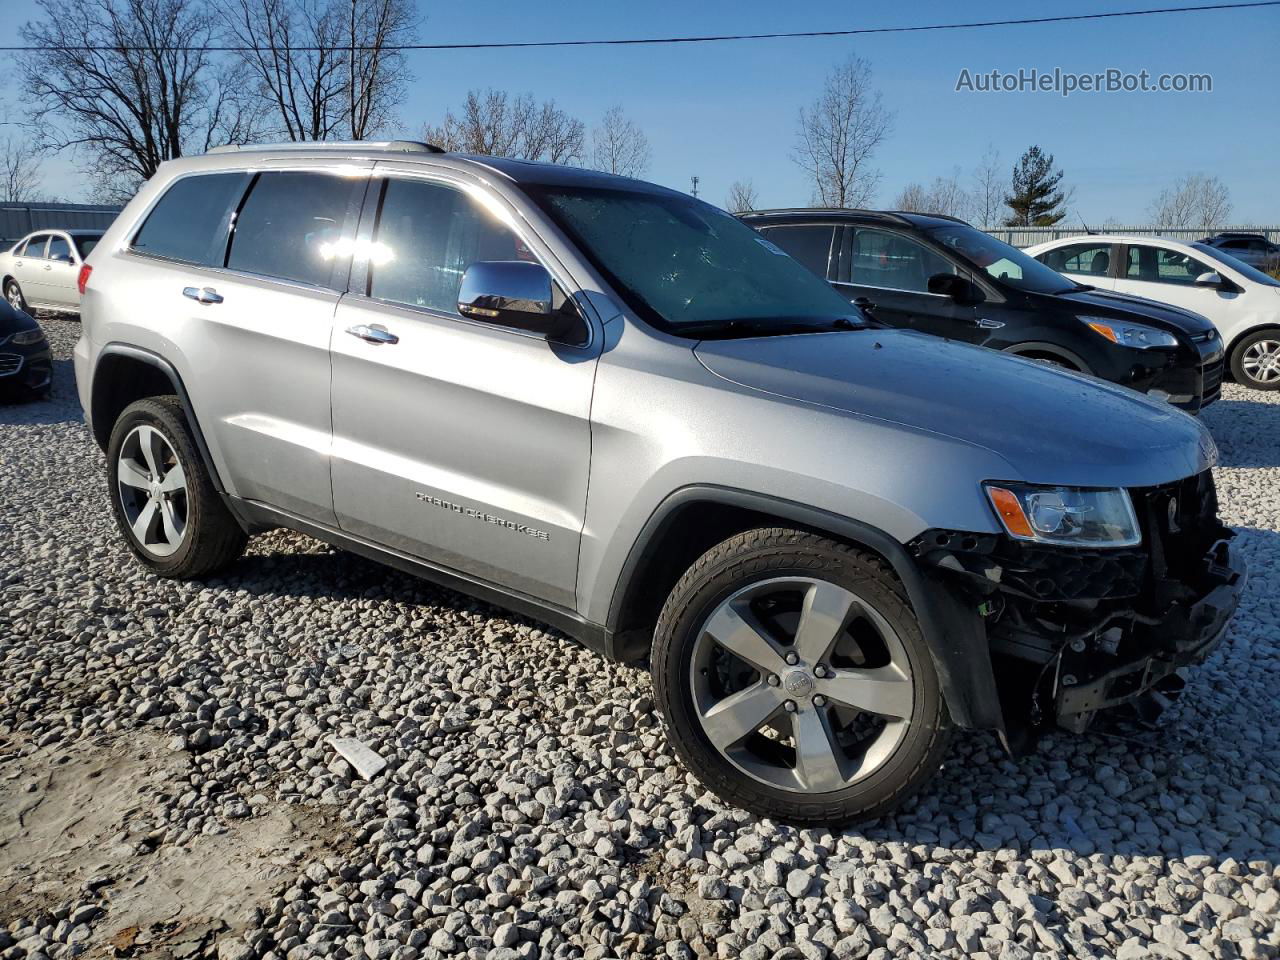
{"x": 958, "y": 288}
{"x": 1211, "y": 279}
{"x": 516, "y": 294}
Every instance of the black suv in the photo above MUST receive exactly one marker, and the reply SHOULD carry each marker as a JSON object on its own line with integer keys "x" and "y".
{"x": 941, "y": 276}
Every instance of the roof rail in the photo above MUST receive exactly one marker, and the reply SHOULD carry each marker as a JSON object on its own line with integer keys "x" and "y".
{"x": 401, "y": 146}
{"x": 882, "y": 215}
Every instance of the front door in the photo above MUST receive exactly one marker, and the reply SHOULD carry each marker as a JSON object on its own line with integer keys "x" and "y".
{"x": 892, "y": 271}
{"x": 1169, "y": 275}
{"x": 457, "y": 441}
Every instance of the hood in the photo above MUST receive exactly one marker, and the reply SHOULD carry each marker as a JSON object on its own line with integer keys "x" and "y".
{"x": 1140, "y": 309}
{"x": 1047, "y": 424}
{"x": 14, "y": 321}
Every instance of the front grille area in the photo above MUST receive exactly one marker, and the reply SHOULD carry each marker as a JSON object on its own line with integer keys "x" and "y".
{"x": 1179, "y": 525}
{"x": 10, "y": 363}
{"x": 1210, "y": 382}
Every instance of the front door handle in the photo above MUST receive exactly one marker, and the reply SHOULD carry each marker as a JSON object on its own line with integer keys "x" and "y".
{"x": 48, "y": 266}
{"x": 202, "y": 294}
{"x": 372, "y": 333}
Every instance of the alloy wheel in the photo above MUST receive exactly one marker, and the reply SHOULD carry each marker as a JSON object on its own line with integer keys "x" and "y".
{"x": 1261, "y": 361}
{"x": 14, "y": 296}
{"x": 801, "y": 684}
{"x": 153, "y": 490}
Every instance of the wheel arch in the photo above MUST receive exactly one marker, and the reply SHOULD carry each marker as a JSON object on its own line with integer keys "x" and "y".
{"x": 693, "y": 519}
{"x": 1033, "y": 347}
{"x": 1248, "y": 332}
{"x": 124, "y": 374}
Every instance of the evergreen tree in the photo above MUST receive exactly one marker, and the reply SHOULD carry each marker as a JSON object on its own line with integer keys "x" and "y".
{"x": 1035, "y": 199}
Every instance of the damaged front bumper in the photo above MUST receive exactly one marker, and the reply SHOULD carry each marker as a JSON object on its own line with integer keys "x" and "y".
{"x": 1072, "y": 632}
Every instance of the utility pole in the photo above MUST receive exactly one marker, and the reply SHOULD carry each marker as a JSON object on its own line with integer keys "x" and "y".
{"x": 695, "y": 185}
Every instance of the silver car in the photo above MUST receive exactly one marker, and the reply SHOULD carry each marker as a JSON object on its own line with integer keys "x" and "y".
{"x": 617, "y": 409}
{"x": 42, "y": 270}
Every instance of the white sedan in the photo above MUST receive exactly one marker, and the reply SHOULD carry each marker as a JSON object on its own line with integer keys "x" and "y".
{"x": 42, "y": 270}
{"x": 1240, "y": 300}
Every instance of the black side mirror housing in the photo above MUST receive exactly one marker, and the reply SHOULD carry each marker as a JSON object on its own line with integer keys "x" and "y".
{"x": 958, "y": 288}
{"x": 516, "y": 294}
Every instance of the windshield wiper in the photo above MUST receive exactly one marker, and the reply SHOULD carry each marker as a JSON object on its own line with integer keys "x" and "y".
{"x": 768, "y": 326}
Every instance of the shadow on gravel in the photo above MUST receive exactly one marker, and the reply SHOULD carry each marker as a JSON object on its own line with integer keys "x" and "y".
{"x": 1244, "y": 432}
{"x": 1174, "y": 789}
{"x": 60, "y": 407}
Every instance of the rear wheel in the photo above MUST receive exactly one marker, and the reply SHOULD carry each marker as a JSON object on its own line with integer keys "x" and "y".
{"x": 1255, "y": 361}
{"x": 167, "y": 508}
{"x": 794, "y": 680}
{"x": 13, "y": 293}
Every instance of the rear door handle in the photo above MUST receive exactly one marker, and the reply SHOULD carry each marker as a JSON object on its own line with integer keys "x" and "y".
{"x": 202, "y": 294}
{"x": 48, "y": 266}
{"x": 372, "y": 333}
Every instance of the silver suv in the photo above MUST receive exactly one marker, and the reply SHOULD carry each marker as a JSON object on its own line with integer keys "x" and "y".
{"x": 619, "y": 410}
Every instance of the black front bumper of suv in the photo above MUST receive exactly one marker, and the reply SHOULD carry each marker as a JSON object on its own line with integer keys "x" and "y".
{"x": 1072, "y": 632}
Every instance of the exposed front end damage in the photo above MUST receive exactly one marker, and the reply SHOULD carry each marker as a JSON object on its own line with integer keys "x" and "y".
{"x": 1075, "y": 631}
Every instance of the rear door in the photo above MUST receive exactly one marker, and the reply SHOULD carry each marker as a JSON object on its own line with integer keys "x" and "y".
{"x": 892, "y": 271}
{"x": 28, "y": 268}
{"x": 60, "y": 272}
{"x": 254, "y": 262}
{"x": 460, "y": 442}
{"x": 1090, "y": 262}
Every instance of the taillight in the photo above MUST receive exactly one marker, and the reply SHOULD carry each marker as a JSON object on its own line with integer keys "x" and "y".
{"x": 82, "y": 281}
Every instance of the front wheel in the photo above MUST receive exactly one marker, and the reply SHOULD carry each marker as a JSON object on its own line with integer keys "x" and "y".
{"x": 164, "y": 501}
{"x": 1255, "y": 362}
{"x": 794, "y": 680}
{"x": 13, "y": 293}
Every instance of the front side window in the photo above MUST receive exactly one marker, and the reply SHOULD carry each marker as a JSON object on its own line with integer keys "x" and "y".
{"x": 1214, "y": 255}
{"x": 189, "y": 223}
{"x": 1162, "y": 265}
{"x": 36, "y": 246}
{"x": 427, "y": 236}
{"x": 59, "y": 248}
{"x": 882, "y": 258}
{"x": 811, "y": 245}
{"x": 290, "y": 224}
{"x": 999, "y": 260}
{"x": 686, "y": 266}
{"x": 1089, "y": 259}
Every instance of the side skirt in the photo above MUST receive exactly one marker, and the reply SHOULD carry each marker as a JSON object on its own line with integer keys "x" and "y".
{"x": 259, "y": 516}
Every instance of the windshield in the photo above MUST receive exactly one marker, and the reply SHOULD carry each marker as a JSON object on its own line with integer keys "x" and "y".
{"x": 85, "y": 245}
{"x": 1239, "y": 266}
{"x": 688, "y": 267}
{"x": 1002, "y": 262}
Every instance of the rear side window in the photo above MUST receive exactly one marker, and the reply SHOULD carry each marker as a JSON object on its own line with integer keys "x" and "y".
{"x": 189, "y": 223}
{"x": 427, "y": 237}
{"x": 290, "y": 225}
{"x": 811, "y": 245}
{"x": 1091, "y": 259}
{"x": 59, "y": 247}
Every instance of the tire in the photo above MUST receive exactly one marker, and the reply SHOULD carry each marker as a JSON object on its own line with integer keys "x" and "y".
{"x": 187, "y": 532}
{"x": 765, "y": 578}
{"x": 13, "y": 293}
{"x": 1255, "y": 360}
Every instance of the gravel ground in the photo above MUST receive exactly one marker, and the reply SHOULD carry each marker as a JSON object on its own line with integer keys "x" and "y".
{"x": 168, "y": 787}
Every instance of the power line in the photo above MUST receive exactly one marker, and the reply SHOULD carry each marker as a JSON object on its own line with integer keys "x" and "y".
{"x": 709, "y": 38}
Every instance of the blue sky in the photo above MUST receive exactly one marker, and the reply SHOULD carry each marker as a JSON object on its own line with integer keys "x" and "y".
{"x": 728, "y": 111}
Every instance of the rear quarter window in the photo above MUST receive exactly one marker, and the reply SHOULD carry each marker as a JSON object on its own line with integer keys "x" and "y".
{"x": 189, "y": 223}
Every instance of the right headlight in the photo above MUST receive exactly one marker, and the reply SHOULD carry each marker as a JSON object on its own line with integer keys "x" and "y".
{"x": 1065, "y": 516}
{"x": 1126, "y": 334}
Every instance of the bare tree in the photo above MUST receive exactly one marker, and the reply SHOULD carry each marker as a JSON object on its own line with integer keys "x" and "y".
{"x": 619, "y": 146}
{"x": 839, "y": 134}
{"x": 19, "y": 170}
{"x": 990, "y": 186}
{"x": 1196, "y": 200}
{"x": 291, "y": 48}
{"x": 742, "y": 196}
{"x": 377, "y": 73}
{"x": 945, "y": 196}
{"x": 495, "y": 124}
{"x": 130, "y": 84}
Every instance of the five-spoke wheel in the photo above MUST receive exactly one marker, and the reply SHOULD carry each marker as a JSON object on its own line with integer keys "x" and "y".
{"x": 794, "y": 680}
{"x": 153, "y": 490}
